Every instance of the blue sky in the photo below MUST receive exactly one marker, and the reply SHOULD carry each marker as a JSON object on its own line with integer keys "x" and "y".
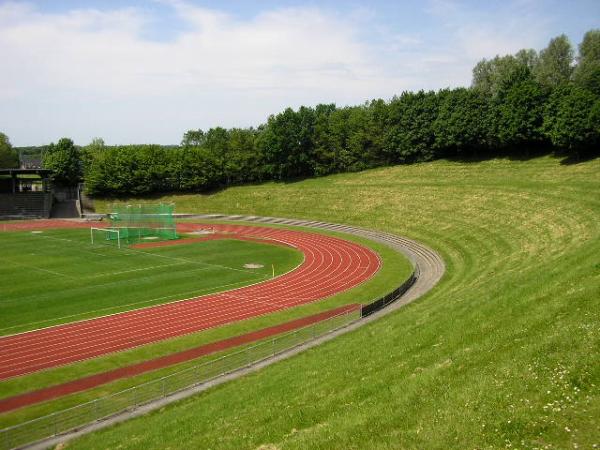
{"x": 147, "y": 71}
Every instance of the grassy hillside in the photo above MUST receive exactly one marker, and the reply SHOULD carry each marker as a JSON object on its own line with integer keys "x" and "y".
{"x": 503, "y": 353}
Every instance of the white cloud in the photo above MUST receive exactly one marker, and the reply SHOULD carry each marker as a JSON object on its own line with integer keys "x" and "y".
{"x": 86, "y": 72}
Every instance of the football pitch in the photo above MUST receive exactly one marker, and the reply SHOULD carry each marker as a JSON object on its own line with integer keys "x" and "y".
{"x": 58, "y": 276}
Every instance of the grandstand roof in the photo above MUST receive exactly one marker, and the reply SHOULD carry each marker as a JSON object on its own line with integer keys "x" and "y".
{"x": 14, "y": 172}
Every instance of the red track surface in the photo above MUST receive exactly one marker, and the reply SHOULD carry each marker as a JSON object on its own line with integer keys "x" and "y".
{"x": 331, "y": 265}
{"x": 82, "y": 384}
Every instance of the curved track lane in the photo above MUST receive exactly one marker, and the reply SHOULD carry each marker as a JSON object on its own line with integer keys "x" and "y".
{"x": 331, "y": 265}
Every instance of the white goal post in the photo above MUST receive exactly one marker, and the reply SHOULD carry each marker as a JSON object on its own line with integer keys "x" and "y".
{"x": 106, "y": 230}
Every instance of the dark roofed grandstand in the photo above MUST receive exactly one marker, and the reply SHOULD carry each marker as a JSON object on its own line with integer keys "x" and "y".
{"x": 25, "y": 193}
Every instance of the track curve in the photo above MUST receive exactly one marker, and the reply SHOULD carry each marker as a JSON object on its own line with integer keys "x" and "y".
{"x": 429, "y": 265}
{"x": 331, "y": 265}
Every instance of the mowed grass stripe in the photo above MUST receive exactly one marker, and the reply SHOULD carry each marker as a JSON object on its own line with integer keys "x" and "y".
{"x": 86, "y": 283}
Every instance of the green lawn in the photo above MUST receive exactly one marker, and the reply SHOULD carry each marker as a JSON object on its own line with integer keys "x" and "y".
{"x": 503, "y": 353}
{"x": 395, "y": 269}
{"x": 57, "y": 276}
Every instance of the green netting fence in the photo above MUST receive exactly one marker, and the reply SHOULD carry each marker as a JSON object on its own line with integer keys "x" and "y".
{"x": 137, "y": 222}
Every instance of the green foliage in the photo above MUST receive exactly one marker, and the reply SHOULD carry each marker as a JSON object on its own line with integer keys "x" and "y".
{"x": 287, "y": 143}
{"x": 194, "y": 169}
{"x": 138, "y": 169}
{"x": 87, "y": 153}
{"x": 64, "y": 159}
{"x": 490, "y": 76}
{"x": 193, "y": 138}
{"x": 410, "y": 132}
{"x": 555, "y": 63}
{"x": 587, "y": 73}
{"x": 8, "y": 156}
{"x": 520, "y": 115}
{"x": 571, "y": 119}
{"x": 459, "y": 127}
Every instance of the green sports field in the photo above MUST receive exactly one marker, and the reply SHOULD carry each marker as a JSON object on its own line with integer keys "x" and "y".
{"x": 58, "y": 276}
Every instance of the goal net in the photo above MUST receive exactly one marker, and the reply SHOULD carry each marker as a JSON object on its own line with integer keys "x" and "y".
{"x": 139, "y": 222}
{"x": 105, "y": 235}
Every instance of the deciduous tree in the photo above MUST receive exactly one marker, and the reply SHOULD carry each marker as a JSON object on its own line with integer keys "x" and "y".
{"x": 64, "y": 159}
{"x": 8, "y": 156}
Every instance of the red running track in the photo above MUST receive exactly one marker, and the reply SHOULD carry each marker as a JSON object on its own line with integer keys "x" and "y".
{"x": 98, "y": 379}
{"x": 331, "y": 265}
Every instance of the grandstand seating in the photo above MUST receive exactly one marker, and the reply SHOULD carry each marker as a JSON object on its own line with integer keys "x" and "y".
{"x": 26, "y": 204}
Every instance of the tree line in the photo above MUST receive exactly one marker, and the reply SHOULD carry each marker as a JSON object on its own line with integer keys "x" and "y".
{"x": 516, "y": 104}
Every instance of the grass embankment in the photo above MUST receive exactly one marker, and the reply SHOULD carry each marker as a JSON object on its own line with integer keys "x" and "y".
{"x": 395, "y": 269}
{"x": 503, "y": 353}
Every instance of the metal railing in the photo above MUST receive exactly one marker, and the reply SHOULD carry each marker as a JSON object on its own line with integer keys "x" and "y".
{"x": 382, "y": 302}
{"x": 129, "y": 399}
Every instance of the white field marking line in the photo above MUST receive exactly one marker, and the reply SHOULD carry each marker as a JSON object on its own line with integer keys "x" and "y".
{"x": 328, "y": 257}
{"x": 206, "y": 291}
{"x": 95, "y": 286}
{"x": 322, "y": 259}
{"x": 142, "y": 335}
{"x": 190, "y": 311}
{"x": 207, "y": 320}
{"x": 38, "y": 268}
{"x": 136, "y": 280}
{"x": 233, "y": 311}
{"x": 193, "y": 292}
{"x": 29, "y": 371}
{"x": 104, "y": 274}
{"x": 192, "y": 298}
{"x": 186, "y": 327}
{"x": 349, "y": 247}
{"x": 181, "y": 261}
{"x": 178, "y": 329}
{"x": 195, "y": 262}
{"x": 321, "y": 262}
{"x": 343, "y": 276}
{"x": 299, "y": 279}
{"x": 63, "y": 360}
{"x": 82, "y": 246}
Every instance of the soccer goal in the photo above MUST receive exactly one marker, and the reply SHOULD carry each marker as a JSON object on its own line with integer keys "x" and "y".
{"x": 139, "y": 222}
{"x": 105, "y": 235}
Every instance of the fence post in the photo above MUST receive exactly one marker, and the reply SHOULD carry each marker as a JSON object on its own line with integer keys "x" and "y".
{"x": 164, "y": 394}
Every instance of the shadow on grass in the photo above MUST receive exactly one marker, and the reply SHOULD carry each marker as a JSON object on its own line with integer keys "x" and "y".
{"x": 570, "y": 159}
